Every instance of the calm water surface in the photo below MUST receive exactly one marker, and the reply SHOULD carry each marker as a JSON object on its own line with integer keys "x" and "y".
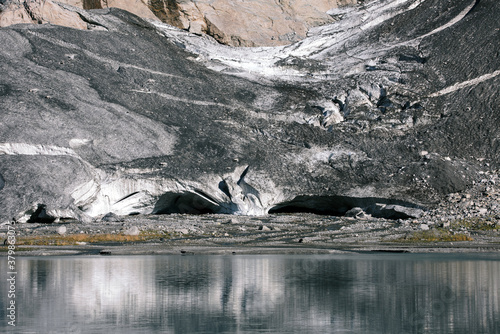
{"x": 375, "y": 293}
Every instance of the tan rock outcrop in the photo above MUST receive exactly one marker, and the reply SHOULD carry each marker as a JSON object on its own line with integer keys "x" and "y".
{"x": 137, "y": 7}
{"x": 237, "y": 23}
{"x": 254, "y": 22}
{"x": 40, "y": 12}
{"x": 13, "y": 14}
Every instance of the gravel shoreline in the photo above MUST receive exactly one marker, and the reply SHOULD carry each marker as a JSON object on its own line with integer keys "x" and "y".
{"x": 273, "y": 234}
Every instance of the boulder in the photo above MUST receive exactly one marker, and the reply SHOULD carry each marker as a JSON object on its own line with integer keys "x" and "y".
{"x": 424, "y": 227}
{"x": 133, "y": 231}
{"x": 61, "y": 230}
{"x": 356, "y": 212}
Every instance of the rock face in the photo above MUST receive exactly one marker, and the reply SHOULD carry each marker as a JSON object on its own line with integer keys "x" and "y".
{"x": 248, "y": 23}
{"x": 38, "y": 12}
{"x": 131, "y": 117}
{"x": 237, "y": 23}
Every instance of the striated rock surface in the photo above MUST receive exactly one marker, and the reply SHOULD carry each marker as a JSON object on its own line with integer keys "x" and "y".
{"x": 375, "y": 110}
{"x": 237, "y": 23}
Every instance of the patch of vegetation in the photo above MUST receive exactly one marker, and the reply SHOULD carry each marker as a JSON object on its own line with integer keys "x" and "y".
{"x": 476, "y": 224}
{"x": 74, "y": 239}
{"x": 435, "y": 235}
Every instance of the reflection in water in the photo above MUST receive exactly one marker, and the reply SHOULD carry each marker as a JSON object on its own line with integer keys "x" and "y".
{"x": 257, "y": 294}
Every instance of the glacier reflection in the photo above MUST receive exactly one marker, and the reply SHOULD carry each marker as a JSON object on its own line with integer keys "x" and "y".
{"x": 255, "y": 294}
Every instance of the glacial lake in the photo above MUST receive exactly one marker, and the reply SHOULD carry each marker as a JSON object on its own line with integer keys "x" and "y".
{"x": 353, "y": 293}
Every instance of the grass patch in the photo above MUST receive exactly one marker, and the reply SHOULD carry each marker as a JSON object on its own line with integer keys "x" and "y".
{"x": 437, "y": 235}
{"x": 476, "y": 224}
{"x": 74, "y": 239}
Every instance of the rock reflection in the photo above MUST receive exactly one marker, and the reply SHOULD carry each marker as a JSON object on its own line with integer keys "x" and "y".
{"x": 250, "y": 294}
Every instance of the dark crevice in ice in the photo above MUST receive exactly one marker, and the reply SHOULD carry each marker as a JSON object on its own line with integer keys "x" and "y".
{"x": 339, "y": 205}
{"x": 185, "y": 202}
{"x": 40, "y": 215}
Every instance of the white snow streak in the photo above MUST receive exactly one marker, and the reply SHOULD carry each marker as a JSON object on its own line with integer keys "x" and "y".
{"x": 180, "y": 99}
{"x": 465, "y": 84}
{"x": 114, "y": 63}
{"x": 452, "y": 22}
{"x": 31, "y": 149}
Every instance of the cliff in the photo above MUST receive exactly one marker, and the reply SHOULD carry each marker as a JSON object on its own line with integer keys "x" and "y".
{"x": 236, "y": 23}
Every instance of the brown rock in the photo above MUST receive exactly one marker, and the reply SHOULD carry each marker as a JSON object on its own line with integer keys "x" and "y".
{"x": 241, "y": 23}
{"x": 49, "y": 12}
{"x": 254, "y": 22}
{"x": 41, "y": 12}
{"x": 12, "y": 14}
{"x": 137, "y": 7}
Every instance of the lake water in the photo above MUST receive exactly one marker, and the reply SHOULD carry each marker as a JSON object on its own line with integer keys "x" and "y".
{"x": 359, "y": 293}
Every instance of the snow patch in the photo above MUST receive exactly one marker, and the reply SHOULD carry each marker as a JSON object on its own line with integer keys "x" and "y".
{"x": 77, "y": 143}
{"x": 31, "y": 149}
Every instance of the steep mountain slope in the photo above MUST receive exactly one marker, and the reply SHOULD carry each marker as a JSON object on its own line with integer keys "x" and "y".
{"x": 394, "y": 103}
